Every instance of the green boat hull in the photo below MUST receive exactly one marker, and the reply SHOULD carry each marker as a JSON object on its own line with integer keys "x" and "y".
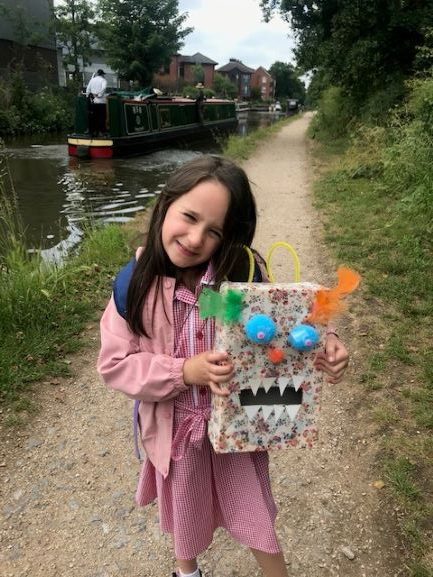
{"x": 143, "y": 125}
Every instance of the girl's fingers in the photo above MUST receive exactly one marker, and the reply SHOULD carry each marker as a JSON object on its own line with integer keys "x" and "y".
{"x": 221, "y": 379}
{"x": 220, "y": 370}
{"x": 215, "y": 357}
{"x": 331, "y": 369}
{"x": 335, "y": 371}
{"x": 218, "y": 390}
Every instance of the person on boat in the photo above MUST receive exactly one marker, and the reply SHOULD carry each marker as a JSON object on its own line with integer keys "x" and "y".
{"x": 97, "y": 99}
{"x": 199, "y": 101}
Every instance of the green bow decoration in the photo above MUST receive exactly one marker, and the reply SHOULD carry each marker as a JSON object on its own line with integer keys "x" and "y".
{"x": 226, "y": 307}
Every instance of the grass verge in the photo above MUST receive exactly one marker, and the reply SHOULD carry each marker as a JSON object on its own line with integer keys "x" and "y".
{"x": 372, "y": 226}
{"x": 240, "y": 148}
{"x": 44, "y": 308}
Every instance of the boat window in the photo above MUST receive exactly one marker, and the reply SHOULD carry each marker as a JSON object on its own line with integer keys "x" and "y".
{"x": 164, "y": 114}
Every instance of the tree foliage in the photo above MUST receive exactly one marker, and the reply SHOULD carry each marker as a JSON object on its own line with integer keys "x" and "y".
{"x": 27, "y": 31}
{"x": 223, "y": 87}
{"x": 74, "y": 21}
{"x": 140, "y": 36}
{"x": 287, "y": 82}
{"x": 198, "y": 73}
{"x": 361, "y": 45}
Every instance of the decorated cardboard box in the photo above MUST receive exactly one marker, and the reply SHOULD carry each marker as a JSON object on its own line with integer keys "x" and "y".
{"x": 275, "y": 390}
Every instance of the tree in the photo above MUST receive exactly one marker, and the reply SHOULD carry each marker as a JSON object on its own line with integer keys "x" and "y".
{"x": 198, "y": 73}
{"x": 74, "y": 20}
{"x": 362, "y": 46}
{"x": 140, "y": 36}
{"x": 29, "y": 33}
{"x": 319, "y": 82}
{"x": 287, "y": 83}
{"x": 223, "y": 87}
{"x": 256, "y": 93}
{"x": 26, "y": 30}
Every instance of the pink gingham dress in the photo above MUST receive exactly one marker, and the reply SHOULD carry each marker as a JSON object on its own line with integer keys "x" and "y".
{"x": 205, "y": 490}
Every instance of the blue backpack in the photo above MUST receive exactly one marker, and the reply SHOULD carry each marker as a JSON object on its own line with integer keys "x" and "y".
{"x": 120, "y": 295}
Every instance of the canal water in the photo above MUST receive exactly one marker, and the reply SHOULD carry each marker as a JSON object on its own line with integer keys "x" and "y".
{"x": 58, "y": 195}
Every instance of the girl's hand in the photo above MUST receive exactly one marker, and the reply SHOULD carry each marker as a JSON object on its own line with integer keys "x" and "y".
{"x": 209, "y": 368}
{"x": 334, "y": 360}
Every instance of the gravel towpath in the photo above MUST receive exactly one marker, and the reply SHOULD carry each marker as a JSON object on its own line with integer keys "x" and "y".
{"x": 67, "y": 480}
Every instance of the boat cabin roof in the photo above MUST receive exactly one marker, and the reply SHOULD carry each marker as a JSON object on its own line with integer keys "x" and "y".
{"x": 141, "y": 96}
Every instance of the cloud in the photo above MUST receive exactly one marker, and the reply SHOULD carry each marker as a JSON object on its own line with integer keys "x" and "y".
{"x": 227, "y": 29}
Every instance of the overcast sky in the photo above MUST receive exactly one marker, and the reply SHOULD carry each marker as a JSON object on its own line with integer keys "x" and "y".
{"x": 225, "y": 29}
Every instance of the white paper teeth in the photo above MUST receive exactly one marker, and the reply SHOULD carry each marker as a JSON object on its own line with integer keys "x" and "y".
{"x": 251, "y": 411}
{"x": 292, "y": 411}
{"x": 278, "y": 411}
{"x": 267, "y": 410}
{"x": 282, "y": 384}
{"x": 267, "y": 384}
{"x": 297, "y": 381}
{"x": 255, "y": 388}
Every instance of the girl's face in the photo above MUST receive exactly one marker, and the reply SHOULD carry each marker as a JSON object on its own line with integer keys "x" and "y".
{"x": 193, "y": 226}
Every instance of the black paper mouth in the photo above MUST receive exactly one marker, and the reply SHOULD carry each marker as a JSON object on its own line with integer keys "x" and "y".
{"x": 273, "y": 404}
{"x": 272, "y": 397}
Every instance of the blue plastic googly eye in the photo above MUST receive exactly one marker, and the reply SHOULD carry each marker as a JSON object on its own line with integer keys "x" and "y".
{"x": 303, "y": 337}
{"x": 260, "y": 329}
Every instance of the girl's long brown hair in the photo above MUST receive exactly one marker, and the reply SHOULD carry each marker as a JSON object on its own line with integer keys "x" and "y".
{"x": 228, "y": 260}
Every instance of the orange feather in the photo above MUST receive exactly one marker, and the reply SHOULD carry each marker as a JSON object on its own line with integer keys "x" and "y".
{"x": 328, "y": 302}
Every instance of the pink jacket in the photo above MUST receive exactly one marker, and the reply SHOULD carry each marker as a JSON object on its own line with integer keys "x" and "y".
{"x": 144, "y": 368}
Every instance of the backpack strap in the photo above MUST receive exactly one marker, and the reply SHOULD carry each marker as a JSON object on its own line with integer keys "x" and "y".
{"x": 121, "y": 286}
{"x": 120, "y": 295}
{"x": 136, "y": 428}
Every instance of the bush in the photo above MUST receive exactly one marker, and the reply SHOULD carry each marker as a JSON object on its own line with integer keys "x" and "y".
{"x": 46, "y": 111}
{"x": 190, "y": 91}
{"x": 421, "y": 103}
{"x": 22, "y": 111}
{"x": 377, "y": 108}
{"x": 333, "y": 117}
{"x": 10, "y": 121}
{"x": 408, "y": 161}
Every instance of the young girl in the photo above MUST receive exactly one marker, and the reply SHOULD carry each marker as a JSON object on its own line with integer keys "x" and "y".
{"x": 162, "y": 354}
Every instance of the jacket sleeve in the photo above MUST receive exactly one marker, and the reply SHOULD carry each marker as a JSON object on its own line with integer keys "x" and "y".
{"x": 140, "y": 375}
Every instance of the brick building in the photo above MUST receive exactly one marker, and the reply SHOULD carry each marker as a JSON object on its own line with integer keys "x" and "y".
{"x": 240, "y": 75}
{"x": 182, "y": 70}
{"x": 262, "y": 80}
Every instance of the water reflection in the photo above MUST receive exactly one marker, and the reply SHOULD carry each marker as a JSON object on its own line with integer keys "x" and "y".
{"x": 58, "y": 194}
{"x": 250, "y": 121}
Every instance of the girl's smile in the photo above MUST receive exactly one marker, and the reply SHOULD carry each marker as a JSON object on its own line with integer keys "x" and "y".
{"x": 193, "y": 226}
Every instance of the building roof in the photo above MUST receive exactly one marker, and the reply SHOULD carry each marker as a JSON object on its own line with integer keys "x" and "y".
{"x": 236, "y": 65}
{"x": 197, "y": 58}
{"x": 262, "y": 70}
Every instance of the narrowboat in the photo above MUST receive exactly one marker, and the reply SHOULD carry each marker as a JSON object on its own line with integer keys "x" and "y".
{"x": 137, "y": 123}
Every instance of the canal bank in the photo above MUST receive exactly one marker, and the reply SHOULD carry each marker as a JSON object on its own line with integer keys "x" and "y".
{"x": 69, "y": 495}
{"x": 59, "y": 196}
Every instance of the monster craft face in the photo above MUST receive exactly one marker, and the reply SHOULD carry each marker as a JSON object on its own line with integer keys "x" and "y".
{"x": 275, "y": 388}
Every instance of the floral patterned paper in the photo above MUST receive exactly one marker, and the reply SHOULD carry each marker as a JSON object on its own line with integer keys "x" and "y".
{"x": 233, "y": 427}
